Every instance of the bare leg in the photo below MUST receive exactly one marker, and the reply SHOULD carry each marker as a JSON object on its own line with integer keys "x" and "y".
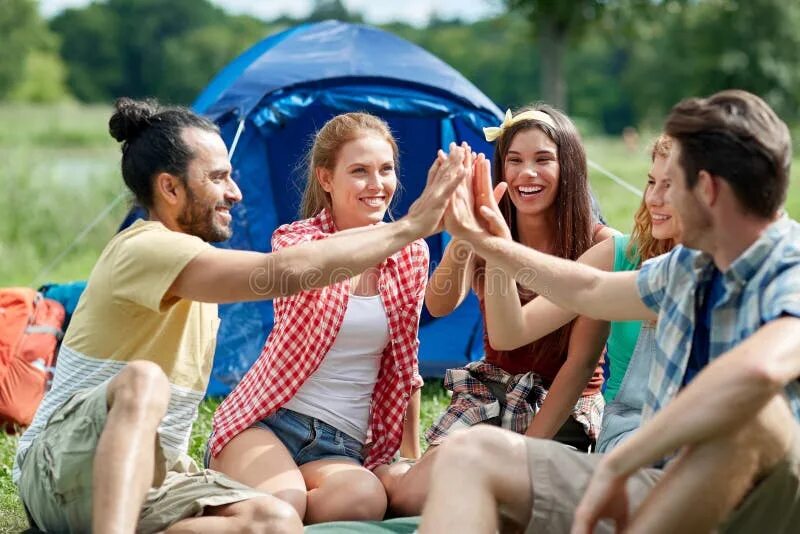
{"x": 257, "y": 458}
{"x": 477, "y": 472}
{"x": 123, "y": 465}
{"x": 342, "y": 490}
{"x": 263, "y": 514}
{"x": 709, "y": 480}
{"x": 407, "y": 486}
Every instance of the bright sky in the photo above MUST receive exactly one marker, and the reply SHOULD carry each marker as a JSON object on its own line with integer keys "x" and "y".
{"x": 412, "y": 11}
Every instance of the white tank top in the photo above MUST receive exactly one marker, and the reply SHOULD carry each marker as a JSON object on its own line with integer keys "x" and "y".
{"x": 339, "y": 392}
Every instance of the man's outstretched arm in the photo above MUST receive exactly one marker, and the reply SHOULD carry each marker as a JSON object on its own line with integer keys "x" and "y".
{"x": 230, "y": 276}
{"x": 576, "y": 287}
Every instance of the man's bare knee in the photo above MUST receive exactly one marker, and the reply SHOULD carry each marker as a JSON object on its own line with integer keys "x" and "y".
{"x": 475, "y": 448}
{"x": 140, "y": 388}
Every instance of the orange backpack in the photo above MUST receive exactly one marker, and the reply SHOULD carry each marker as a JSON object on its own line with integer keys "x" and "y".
{"x": 30, "y": 329}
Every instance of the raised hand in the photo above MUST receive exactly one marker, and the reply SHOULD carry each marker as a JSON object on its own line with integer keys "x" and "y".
{"x": 445, "y": 174}
{"x": 460, "y": 219}
{"x": 486, "y": 199}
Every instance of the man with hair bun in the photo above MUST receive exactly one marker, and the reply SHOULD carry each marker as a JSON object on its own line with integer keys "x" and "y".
{"x": 107, "y": 450}
{"x": 723, "y": 400}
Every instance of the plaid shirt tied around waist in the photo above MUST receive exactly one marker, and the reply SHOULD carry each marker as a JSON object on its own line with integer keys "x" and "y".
{"x": 474, "y": 401}
{"x": 761, "y": 285}
{"x": 306, "y": 325}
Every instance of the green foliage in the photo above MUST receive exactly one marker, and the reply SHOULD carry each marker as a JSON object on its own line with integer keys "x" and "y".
{"x": 12, "y": 518}
{"x": 91, "y": 49}
{"x": 117, "y": 48}
{"x": 60, "y": 171}
{"x": 43, "y": 79}
{"x": 23, "y": 32}
{"x": 700, "y": 48}
{"x": 194, "y": 57}
{"x": 332, "y": 10}
{"x": 627, "y": 62}
{"x": 496, "y": 55}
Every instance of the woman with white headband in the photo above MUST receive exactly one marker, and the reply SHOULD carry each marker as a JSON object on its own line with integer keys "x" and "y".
{"x": 549, "y": 388}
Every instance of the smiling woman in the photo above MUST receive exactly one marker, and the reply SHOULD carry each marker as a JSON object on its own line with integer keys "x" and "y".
{"x": 352, "y": 171}
{"x": 549, "y": 388}
{"x": 339, "y": 370}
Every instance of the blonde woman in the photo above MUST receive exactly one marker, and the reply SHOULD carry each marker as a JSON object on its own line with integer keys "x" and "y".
{"x": 335, "y": 392}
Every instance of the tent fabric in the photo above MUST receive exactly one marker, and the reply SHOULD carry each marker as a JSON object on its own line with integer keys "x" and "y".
{"x": 276, "y": 95}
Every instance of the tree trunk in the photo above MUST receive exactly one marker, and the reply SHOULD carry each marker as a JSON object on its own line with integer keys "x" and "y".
{"x": 552, "y": 47}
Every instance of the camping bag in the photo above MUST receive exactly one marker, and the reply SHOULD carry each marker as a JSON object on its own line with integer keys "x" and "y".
{"x": 30, "y": 329}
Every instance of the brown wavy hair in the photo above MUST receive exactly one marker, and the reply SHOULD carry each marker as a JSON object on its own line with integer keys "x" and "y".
{"x": 574, "y": 230}
{"x": 643, "y": 245}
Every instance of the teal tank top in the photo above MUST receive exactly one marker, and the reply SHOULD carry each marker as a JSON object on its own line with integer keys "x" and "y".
{"x": 623, "y": 334}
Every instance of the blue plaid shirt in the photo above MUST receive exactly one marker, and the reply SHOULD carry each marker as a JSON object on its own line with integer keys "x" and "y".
{"x": 762, "y": 285}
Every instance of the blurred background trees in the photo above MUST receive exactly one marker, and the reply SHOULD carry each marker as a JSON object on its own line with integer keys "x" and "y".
{"x": 610, "y": 63}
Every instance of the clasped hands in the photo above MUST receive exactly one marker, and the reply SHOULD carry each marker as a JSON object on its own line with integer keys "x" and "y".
{"x": 473, "y": 212}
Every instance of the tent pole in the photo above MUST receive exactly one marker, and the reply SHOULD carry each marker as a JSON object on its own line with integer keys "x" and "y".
{"x": 235, "y": 142}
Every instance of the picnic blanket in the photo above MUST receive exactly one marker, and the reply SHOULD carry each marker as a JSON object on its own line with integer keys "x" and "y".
{"x": 400, "y": 525}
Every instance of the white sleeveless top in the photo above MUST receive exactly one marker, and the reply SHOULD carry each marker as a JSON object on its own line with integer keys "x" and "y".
{"x": 339, "y": 392}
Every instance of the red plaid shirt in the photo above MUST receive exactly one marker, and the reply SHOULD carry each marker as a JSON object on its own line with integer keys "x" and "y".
{"x": 306, "y": 326}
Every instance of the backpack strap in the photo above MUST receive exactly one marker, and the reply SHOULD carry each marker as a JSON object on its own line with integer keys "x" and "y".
{"x": 45, "y": 329}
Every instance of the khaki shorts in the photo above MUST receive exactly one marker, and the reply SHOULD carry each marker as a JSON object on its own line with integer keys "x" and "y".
{"x": 559, "y": 477}
{"x": 774, "y": 504}
{"x": 56, "y": 481}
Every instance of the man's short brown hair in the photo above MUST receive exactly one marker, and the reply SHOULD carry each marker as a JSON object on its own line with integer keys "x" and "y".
{"x": 735, "y": 135}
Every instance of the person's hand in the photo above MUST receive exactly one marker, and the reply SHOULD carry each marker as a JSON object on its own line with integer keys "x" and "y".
{"x": 605, "y": 497}
{"x": 460, "y": 218}
{"x": 445, "y": 174}
{"x": 486, "y": 199}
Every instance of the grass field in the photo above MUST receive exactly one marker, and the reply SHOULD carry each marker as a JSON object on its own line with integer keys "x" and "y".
{"x": 61, "y": 170}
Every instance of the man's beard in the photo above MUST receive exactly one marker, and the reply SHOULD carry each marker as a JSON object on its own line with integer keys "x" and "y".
{"x": 200, "y": 220}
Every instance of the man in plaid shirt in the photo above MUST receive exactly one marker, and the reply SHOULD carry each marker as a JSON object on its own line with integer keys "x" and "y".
{"x": 723, "y": 401}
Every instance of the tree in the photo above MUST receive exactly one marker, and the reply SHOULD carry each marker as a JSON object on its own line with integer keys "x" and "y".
{"x": 23, "y": 33}
{"x": 332, "y": 9}
{"x": 195, "y": 57}
{"x": 116, "y": 48}
{"x": 43, "y": 79}
{"x": 698, "y": 48}
{"x": 91, "y": 48}
{"x": 555, "y": 23}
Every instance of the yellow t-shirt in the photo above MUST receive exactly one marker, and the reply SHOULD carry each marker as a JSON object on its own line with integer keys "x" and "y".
{"x": 122, "y": 316}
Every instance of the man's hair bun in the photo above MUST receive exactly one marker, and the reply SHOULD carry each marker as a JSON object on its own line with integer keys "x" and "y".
{"x": 130, "y": 118}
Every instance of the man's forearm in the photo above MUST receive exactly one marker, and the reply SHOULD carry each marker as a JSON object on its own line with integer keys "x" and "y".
{"x": 726, "y": 395}
{"x": 573, "y": 286}
{"x": 334, "y": 259}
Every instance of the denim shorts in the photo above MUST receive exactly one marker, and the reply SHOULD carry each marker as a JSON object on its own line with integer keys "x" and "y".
{"x": 308, "y": 439}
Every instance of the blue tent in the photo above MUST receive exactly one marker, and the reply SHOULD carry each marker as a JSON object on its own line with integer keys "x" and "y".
{"x": 269, "y": 101}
